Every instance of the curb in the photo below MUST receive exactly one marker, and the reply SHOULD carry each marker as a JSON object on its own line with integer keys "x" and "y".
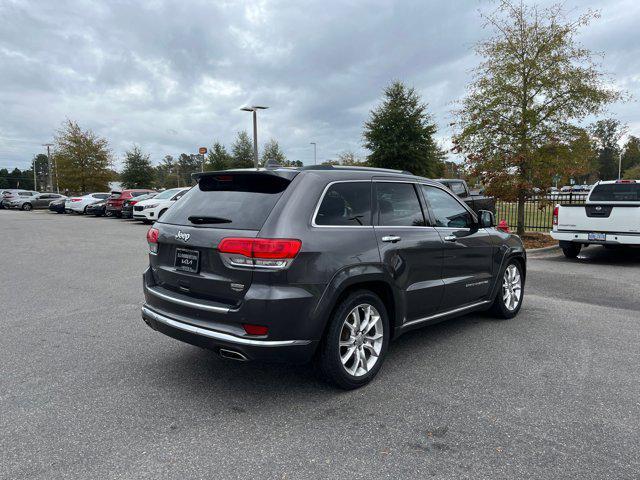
{"x": 542, "y": 249}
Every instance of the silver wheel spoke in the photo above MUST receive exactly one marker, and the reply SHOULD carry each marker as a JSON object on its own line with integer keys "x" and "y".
{"x": 345, "y": 358}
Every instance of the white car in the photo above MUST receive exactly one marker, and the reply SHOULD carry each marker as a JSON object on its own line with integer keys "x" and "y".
{"x": 610, "y": 217}
{"x": 80, "y": 204}
{"x": 150, "y": 210}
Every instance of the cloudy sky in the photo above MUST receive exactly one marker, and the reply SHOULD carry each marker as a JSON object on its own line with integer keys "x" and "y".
{"x": 171, "y": 76}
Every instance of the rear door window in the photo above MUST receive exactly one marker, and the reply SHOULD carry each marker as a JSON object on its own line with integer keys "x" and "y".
{"x": 616, "y": 192}
{"x": 239, "y": 201}
{"x": 398, "y": 205}
{"x": 346, "y": 204}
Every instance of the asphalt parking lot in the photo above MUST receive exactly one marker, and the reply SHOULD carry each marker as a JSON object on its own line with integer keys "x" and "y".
{"x": 87, "y": 391}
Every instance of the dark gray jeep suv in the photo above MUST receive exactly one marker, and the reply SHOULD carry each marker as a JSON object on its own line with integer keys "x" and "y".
{"x": 323, "y": 263}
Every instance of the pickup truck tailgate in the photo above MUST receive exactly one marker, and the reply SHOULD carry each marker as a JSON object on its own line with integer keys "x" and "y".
{"x": 620, "y": 218}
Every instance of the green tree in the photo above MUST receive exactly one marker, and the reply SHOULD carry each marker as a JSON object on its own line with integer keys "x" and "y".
{"x": 631, "y": 153}
{"x": 242, "y": 151}
{"x": 400, "y": 133}
{"x": 607, "y": 134}
{"x": 218, "y": 158}
{"x": 187, "y": 165}
{"x": 351, "y": 159}
{"x": 534, "y": 84}
{"x": 292, "y": 163}
{"x": 4, "y": 178}
{"x": 83, "y": 159}
{"x": 633, "y": 173}
{"x": 42, "y": 170}
{"x": 272, "y": 153}
{"x": 166, "y": 173}
{"x": 137, "y": 171}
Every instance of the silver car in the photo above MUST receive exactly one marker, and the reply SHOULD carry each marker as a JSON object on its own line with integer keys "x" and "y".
{"x": 10, "y": 194}
{"x": 30, "y": 200}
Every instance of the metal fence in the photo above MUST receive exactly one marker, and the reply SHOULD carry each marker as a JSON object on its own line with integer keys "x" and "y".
{"x": 538, "y": 211}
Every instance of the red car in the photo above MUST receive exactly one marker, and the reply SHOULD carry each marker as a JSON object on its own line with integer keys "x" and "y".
{"x": 114, "y": 204}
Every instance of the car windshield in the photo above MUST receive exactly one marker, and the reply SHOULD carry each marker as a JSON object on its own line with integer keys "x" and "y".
{"x": 616, "y": 192}
{"x": 167, "y": 194}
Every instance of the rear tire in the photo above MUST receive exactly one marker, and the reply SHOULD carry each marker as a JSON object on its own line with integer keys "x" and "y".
{"x": 354, "y": 345}
{"x": 510, "y": 293}
{"x": 26, "y": 207}
{"x": 572, "y": 250}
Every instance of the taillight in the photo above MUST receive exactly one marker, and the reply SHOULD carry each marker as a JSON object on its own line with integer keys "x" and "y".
{"x": 555, "y": 215}
{"x": 76, "y": 199}
{"x": 274, "y": 253}
{"x": 255, "y": 329}
{"x": 152, "y": 240}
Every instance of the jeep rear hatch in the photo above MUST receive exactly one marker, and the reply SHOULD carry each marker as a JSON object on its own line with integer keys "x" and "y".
{"x": 230, "y": 204}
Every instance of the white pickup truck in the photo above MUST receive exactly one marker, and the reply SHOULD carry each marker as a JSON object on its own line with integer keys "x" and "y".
{"x": 610, "y": 216}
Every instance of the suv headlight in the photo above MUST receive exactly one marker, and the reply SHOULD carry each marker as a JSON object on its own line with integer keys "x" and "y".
{"x": 153, "y": 205}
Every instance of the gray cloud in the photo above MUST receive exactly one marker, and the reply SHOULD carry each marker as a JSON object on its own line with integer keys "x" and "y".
{"x": 171, "y": 75}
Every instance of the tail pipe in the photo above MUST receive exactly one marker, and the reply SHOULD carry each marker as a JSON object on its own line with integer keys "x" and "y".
{"x": 232, "y": 355}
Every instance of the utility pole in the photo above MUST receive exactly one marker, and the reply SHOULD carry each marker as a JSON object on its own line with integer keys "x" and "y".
{"x": 49, "y": 145}
{"x": 35, "y": 187}
{"x": 254, "y": 109}
{"x": 315, "y": 156}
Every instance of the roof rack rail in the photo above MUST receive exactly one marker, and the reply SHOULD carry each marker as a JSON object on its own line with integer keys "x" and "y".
{"x": 353, "y": 167}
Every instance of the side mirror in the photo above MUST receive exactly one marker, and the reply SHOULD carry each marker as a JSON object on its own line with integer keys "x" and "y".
{"x": 486, "y": 219}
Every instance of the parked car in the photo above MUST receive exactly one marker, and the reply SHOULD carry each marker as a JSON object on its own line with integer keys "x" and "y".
{"x": 58, "y": 205}
{"x": 610, "y": 217}
{"x": 80, "y": 204}
{"x": 127, "y": 206}
{"x": 9, "y": 195}
{"x": 293, "y": 264}
{"x": 115, "y": 201}
{"x": 98, "y": 209}
{"x": 476, "y": 202}
{"x": 32, "y": 200}
{"x": 150, "y": 210}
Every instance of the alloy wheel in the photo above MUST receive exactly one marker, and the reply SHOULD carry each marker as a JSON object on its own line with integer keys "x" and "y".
{"x": 361, "y": 340}
{"x": 511, "y": 287}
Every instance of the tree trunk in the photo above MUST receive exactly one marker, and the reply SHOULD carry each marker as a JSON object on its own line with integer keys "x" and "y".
{"x": 521, "y": 206}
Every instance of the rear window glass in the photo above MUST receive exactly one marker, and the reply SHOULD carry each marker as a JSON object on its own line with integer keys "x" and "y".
{"x": 616, "y": 192}
{"x": 235, "y": 201}
{"x": 457, "y": 188}
{"x": 347, "y": 203}
{"x": 398, "y": 205}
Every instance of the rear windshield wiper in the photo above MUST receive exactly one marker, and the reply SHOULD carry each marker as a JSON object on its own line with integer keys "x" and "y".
{"x": 203, "y": 220}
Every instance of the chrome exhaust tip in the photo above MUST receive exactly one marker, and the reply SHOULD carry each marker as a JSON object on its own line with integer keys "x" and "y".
{"x": 232, "y": 355}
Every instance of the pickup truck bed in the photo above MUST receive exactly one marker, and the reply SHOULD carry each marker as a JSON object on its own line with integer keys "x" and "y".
{"x": 475, "y": 202}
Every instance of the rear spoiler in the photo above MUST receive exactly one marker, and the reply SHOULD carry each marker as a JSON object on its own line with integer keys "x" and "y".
{"x": 286, "y": 173}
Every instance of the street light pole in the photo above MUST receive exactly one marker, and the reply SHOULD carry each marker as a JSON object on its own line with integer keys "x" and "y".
{"x": 315, "y": 156}
{"x": 254, "y": 109}
{"x": 48, "y": 145}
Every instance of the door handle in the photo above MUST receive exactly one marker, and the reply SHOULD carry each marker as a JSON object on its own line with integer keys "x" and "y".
{"x": 450, "y": 238}
{"x": 391, "y": 239}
